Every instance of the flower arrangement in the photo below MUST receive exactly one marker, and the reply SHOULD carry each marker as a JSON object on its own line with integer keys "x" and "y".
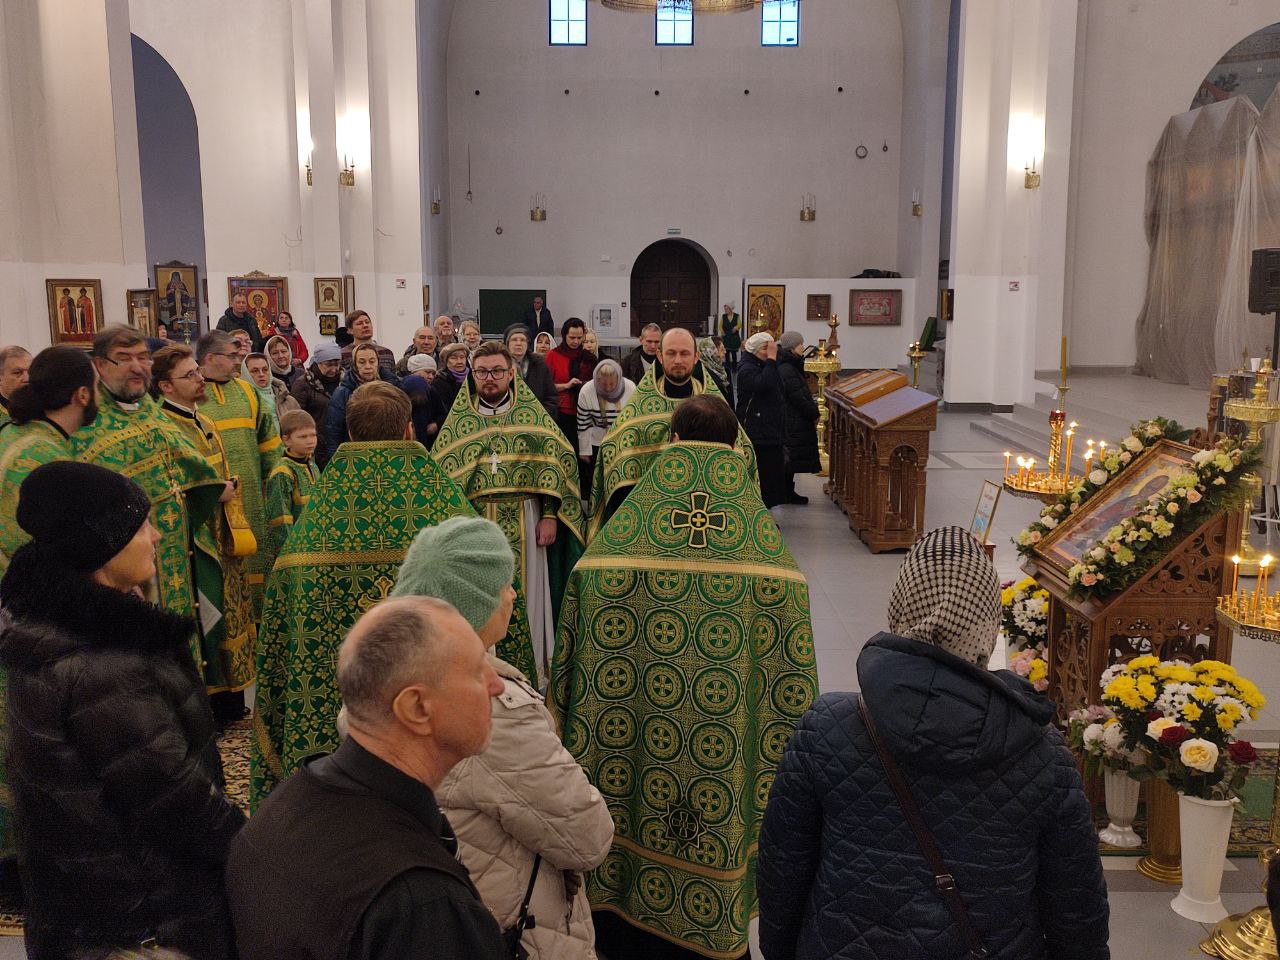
{"x": 1184, "y": 718}
{"x": 1096, "y": 735}
{"x": 1024, "y": 614}
{"x": 1030, "y": 663}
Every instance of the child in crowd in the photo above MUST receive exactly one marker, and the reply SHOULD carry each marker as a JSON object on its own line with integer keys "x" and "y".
{"x": 289, "y": 484}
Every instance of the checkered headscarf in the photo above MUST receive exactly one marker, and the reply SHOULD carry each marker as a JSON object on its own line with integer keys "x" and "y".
{"x": 948, "y": 594}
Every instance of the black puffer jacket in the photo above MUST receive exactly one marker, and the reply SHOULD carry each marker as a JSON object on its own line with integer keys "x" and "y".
{"x": 313, "y": 394}
{"x": 840, "y": 875}
{"x": 800, "y": 418}
{"x": 121, "y": 821}
{"x": 760, "y": 406}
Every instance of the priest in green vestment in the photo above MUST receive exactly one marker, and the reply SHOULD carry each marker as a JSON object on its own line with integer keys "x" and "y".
{"x": 520, "y": 471}
{"x": 683, "y": 661}
{"x": 132, "y": 436}
{"x": 227, "y": 629}
{"x": 340, "y": 558}
{"x": 643, "y": 427}
{"x": 250, "y": 438}
{"x": 59, "y": 399}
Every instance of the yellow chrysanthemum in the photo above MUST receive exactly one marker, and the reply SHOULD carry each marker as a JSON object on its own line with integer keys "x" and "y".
{"x": 1007, "y": 595}
{"x": 1125, "y": 690}
{"x": 1144, "y": 662}
{"x": 1249, "y": 693}
{"x": 1192, "y": 712}
{"x": 1228, "y": 716}
{"x": 1147, "y": 688}
{"x": 1215, "y": 667}
{"x": 1026, "y": 583}
{"x": 1038, "y": 670}
{"x": 1204, "y": 694}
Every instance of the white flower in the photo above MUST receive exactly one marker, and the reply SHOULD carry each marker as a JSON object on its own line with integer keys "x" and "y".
{"x": 1112, "y": 737}
{"x": 1159, "y": 726}
{"x": 1199, "y": 754}
{"x": 1048, "y": 522}
{"x": 1201, "y": 457}
{"x": 1092, "y": 734}
{"x": 1098, "y": 477}
{"x": 1098, "y": 553}
{"x": 1132, "y": 444}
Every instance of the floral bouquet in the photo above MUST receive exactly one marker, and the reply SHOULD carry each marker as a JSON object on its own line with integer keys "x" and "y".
{"x": 1184, "y": 717}
{"x": 1024, "y": 614}
{"x": 1030, "y": 663}
{"x": 1096, "y": 735}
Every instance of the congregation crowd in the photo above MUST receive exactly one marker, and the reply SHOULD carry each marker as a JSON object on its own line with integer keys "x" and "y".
{"x": 532, "y": 666}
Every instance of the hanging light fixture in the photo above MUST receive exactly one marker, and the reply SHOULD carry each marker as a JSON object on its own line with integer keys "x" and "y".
{"x": 684, "y": 6}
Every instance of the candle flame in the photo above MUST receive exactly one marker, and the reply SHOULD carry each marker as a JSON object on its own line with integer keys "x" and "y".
{"x": 1235, "y": 558}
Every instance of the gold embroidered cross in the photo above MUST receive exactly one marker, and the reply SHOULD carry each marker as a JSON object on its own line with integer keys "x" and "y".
{"x": 494, "y": 460}
{"x": 697, "y": 520}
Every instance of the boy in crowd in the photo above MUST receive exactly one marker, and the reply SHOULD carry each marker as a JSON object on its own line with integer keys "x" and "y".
{"x": 289, "y": 484}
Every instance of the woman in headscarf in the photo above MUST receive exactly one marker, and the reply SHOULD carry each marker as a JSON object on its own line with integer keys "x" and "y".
{"x": 599, "y": 404}
{"x": 256, "y": 369}
{"x": 841, "y": 874}
{"x": 710, "y": 353}
{"x": 760, "y": 411}
{"x": 800, "y": 415}
{"x": 284, "y": 367}
{"x": 454, "y": 359}
{"x": 543, "y": 343}
{"x": 533, "y": 369}
{"x": 285, "y": 327}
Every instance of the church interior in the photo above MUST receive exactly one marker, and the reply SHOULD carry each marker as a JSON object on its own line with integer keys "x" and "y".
{"x": 1012, "y": 234}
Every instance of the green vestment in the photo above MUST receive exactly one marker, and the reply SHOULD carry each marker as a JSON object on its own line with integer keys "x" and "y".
{"x": 288, "y": 490}
{"x": 140, "y": 442}
{"x": 501, "y": 461}
{"x": 341, "y": 557}
{"x": 642, "y": 429}
{"x": 683, "y": 661}
{"x": 22, "y": 449}
{"x": 251, "y": 440}
{"x": 227, "y": 628}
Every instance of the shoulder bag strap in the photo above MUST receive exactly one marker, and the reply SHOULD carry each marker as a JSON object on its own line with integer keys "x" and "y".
{"x": 943, "y": 880}
{"x": 524, "y": 921}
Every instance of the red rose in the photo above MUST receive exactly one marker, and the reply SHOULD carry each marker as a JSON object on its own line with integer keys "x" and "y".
{"x": 1242, "y": 752}
{"x": 1172, "y": 736}
{"x": 1153, "y": 715}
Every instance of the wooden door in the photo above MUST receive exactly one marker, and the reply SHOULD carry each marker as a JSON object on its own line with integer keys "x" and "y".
{"x": 670, "y": 286}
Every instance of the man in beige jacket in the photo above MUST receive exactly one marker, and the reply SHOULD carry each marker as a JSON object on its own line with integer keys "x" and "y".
{"x": 524, "y": 796}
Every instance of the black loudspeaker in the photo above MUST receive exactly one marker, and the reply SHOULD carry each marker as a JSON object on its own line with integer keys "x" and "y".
{"x": 1264, "y": 281}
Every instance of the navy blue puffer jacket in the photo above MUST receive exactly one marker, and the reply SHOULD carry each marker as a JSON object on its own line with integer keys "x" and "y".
{"x": 840, "y": 874}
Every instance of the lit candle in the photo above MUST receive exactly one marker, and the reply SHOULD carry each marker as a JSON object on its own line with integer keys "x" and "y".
{"x": 1006, "y": 464}
{"x": 1031, "y": 472}
{"x": 1264, "y": 565}
{"x": 1235, "y": 574}
{"x": 1066, "y": 461}
{"x": 1261, "y": 582}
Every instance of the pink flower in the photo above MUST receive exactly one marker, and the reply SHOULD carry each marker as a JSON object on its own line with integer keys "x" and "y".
{"x": 1035, "y": 536}
{"x": 1193, "y": 496}
{"x": 1089, "y": 579}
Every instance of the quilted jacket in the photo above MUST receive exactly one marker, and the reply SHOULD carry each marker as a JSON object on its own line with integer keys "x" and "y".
{"x": 840, "y": 875}
{"x": 524, "y": 795}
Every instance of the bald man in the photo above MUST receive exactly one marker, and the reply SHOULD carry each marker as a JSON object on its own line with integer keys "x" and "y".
{"x": 351, "y": 857}
{"x": 424, "y": 344}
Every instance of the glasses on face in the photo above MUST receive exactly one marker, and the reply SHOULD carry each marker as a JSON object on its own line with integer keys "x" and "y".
{"x": 142, "y": 359}
{"x": 493, "y": 373}
{"x": 195, "y": 376}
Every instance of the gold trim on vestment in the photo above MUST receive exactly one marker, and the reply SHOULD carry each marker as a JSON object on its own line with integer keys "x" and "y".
{"x": 663, "y": 935}
{"x": 336, "y": 558}
{"x": 554, "y": 435}
{"x": 695, "y": 868}
{"x": 266, "y": 747}
{"x": 234, "y": 423}
{"x": 692, "y": 566}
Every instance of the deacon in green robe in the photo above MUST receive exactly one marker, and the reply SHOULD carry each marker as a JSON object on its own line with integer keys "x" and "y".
{"x": 227, "y": 629}
{"x": 683, "y": 661}
{"x": 288, "y": 490}
{"x": 132, "y": 436}
{"x": 519, "y": 471}
{"x": 341, "y": 557}
{"x": 23, "y": 447}
{"x": 250, "y": 437}
{"x": 643, "y": 428}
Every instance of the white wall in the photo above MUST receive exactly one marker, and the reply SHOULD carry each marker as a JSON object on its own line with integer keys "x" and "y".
{"x": 1143, "y": 61}
{"x": 620, "y": 166}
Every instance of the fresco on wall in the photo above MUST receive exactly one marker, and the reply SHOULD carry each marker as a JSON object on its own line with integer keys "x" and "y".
{"x": 1249, "y": 69}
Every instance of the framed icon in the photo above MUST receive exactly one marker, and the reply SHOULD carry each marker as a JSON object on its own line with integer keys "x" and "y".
{"x": 142, "y": 310}
{"x": 426, "y": 298}
{"x": 328, "y": 324}
{"x": 267, "y": 296}
{"x": 984, "y": 514}
{"x": 329, "y": 295}
{"x": 175, "y": 284}
{"x": 765, "y": 303}
{"x": 818, "y": 307}
{"x": 349, "y": 291}
{"x": 875, "y": 308}
{"x": 75, "y": 311}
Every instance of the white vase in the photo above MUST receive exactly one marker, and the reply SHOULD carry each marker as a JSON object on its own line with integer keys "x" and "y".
{"x": 1122, "y": 806}
{"x": 1206, "y": 830}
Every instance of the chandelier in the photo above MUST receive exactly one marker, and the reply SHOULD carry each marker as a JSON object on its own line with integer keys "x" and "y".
{"x": 683, "y": 6}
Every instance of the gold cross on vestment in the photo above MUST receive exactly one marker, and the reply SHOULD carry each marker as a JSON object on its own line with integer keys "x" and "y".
{"x": 697, "y": 519}
{"x": 494, "y": 460}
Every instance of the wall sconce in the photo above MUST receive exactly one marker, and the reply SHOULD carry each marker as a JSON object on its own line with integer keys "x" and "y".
{"x": 435, "y": 201}
{"x": 347, "y": 175}
{"x": 1031, "y": 179}
{"x": 538, "y": 207}
{"x": 808, "y": 208}
{"x": 917, "y": 210}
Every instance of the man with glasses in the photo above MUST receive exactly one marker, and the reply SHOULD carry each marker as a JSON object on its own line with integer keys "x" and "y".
{"x": 517, "y": 468}
{"x": 132, "y": 436}
{"x": 226, "y": 613}
{"x": 250, "y": 437}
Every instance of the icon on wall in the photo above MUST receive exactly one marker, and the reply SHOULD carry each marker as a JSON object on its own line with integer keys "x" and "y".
{"x": 75, "y": 311}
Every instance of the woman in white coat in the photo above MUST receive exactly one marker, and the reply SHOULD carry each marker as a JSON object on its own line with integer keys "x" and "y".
{"x": 524, "y": 796}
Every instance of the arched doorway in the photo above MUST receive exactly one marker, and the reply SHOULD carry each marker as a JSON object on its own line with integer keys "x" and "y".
{"x": 671, "y": 286}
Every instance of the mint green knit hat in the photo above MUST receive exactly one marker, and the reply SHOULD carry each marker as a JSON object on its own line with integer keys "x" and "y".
{"x": 465, "y": 561}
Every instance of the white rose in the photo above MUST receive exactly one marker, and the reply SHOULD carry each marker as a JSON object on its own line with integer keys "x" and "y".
{"x": 1098, "y": 553}
{"x": 1201, "y": 457}
{"x": 1199, "y": 754}
{"x": 1112, "y": 737}
{"x": 1092, "y": 734}
{"x": 1048, "y": 523}
{"x": 1098, "y": 477}
{"x": 1159, "y": 726}
{"x": 1132, "y": 444}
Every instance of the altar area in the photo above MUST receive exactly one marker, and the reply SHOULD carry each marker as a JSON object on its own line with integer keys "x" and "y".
{"x": 849, "y": 590}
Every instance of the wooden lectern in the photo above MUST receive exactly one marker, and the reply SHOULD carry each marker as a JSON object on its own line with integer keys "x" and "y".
{"x": 879, "y": 448}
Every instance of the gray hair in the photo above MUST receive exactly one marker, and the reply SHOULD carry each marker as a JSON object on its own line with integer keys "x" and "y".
{"x": 213, "y": 342}
{"x": 650, "y": 326}
{"x": 115, "y": 335}
{"x": 395, "y": 644}
{"x": 11, "y": 353}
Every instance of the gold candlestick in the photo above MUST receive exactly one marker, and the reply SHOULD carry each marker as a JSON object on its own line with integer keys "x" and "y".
{"x": 1257, "y": 411}
{"x": 915, "y": 355}
{"x": 822, "y": 365}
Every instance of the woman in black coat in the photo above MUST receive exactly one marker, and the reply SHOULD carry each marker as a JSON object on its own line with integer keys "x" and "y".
{"x": 760, "y": 409}
{"x": 800, "y": 416}
{"x": 532, "y": 368}
{"x": 121, "y": 819}
{"x": 841, "y": 875}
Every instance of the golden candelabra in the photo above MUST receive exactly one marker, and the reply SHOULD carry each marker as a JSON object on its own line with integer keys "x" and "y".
{"x": 1257, "y": 411}
{"x": 915, "y": 355}
{"x": 1055, "y": 479}
{"x": 824, "y": 364}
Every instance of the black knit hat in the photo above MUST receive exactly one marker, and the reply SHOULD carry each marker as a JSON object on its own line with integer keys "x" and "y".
{"x": 80, "y": 514}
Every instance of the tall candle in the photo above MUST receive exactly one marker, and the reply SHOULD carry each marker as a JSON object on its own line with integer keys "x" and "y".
{"x": 1235, "y": 574}
{"x": 1066, "y": 461}
{"x": 1006, "y": 464}
{"x": 1064, "y": 361}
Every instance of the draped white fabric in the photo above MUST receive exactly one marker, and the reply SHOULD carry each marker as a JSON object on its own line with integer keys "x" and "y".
{"x": 1213, "y": 196}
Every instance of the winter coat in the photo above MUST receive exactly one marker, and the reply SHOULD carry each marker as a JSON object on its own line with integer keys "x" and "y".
{"x": 539, "y": 380}
{"x": 121, "y": 819}
{"x": 800, "y": 416}
{"x": 294, "y": 338}
{"x": 446, "y": 389}
{"x": 840, "y": 874}
{"x": 524, "y": 795}
{"x": 229, "y": 322}
{"x": 284, "y": 399}
{"x": 335, "y": 418}
{"x": 633, "y": 367}
{"x": 760, "y": 405}
{"x": 426, "y": 408}
{"x": 313, "y": 395}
